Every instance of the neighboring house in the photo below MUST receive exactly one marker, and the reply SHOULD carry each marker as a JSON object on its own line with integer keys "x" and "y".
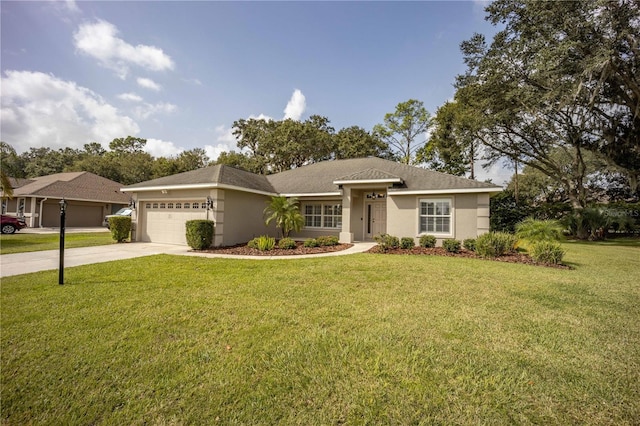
{"x": 354, "y": 199}
{"x": 89, "y": 198}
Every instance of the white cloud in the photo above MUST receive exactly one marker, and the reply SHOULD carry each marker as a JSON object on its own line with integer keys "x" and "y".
{"x": 99, "y": 40}
{"x": 130, "y": 97}
{"x": 214, "y": 151}
{"x": 147, "y": 83}
{"x": 72, "y": 6}
{"x": 41, "y": 110}
{"x": 145, "y": 111}
{"x": 225, "y": 135}
{"x": 160, "y": 148}
{"x": 296, "y": 106}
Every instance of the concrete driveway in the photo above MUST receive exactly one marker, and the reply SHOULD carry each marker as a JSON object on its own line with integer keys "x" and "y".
{"x": 24, "y": 263}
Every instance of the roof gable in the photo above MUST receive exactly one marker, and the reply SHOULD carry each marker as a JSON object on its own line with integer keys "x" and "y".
{"x": 218, "y": 175}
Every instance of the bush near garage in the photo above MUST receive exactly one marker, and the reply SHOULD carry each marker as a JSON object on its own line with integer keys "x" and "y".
{"x": 120, "y": 227}
{"x": 199, "y": 233}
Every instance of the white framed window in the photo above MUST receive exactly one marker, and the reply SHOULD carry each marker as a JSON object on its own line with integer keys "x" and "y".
{"x": 322, "y": 215}
{"x": 162, "y": 205}
{"x": 313, "y": 216}
{"x": 332, "y": 215}
{"x": 195, "y": 205}
{"x": 178, "y": 205}
{"x": 436, "y": 216}
{"x": 170, "y": 205}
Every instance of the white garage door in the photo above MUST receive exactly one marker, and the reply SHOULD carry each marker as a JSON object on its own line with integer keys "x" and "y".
{"x": 164, "y": 221}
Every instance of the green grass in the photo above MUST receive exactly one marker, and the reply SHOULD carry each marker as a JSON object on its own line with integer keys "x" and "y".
{"x": 22, "y": 243}
{"x": 362, "y": 339}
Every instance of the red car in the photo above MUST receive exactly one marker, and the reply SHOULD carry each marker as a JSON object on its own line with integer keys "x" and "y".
{"x": 11, "y": 224}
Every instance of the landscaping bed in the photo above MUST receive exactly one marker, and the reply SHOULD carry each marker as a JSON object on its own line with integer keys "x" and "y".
{"x": 439, "y": 251}
{"x": 300, "y": 249}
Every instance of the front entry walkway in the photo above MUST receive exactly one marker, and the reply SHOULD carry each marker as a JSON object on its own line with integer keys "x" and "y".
{"x": 24, "y": 263}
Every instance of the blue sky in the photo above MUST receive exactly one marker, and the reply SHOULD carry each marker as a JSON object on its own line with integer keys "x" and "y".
{"x": 180, "y": 73}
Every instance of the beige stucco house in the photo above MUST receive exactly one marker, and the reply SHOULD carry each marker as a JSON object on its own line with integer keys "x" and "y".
{"x": 354, "y": 199}
{"x": 89, "y": 198}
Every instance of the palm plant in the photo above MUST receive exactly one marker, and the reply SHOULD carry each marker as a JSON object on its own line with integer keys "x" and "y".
{"x": 534, "y": 230}
{"x": 286, "y": 214}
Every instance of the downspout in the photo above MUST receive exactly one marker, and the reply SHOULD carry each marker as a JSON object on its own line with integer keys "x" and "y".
{"x": 40, "y": 214}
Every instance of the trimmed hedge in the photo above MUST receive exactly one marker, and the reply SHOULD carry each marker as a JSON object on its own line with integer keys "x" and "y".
{"x": 451, "y": 245}
{"x": 469, "y": 244}
{"x": 120, "y": 227}
{"x": 199, "y": 233}
{"x": 328, "y": 240}
{"x": 287, "y": 244}
{"x": 407, "y": 243}
{"x": 495, "y": 244}
{"x": 386, "y": 241}
{"x": 427, "y": 241}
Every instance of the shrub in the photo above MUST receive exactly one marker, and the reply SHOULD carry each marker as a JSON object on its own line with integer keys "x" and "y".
{"x": 199, "y": 233}
{"x": 534, "y": 230}
{"x": 547, "y": 252}
{"x": 287, "y": 244}
{"x": 407, "y": 243}
{"x": 265, "y": 243}
{"x": 494, "y": 244}
{"x": 386, "y": 241}
{"x": 253, "y": 243}
{"x": 469, "y": 244}
{"x": 311, "y": 242}
{"x": 427, "y": 241}
{"x": 328, "y": 240}
{"x": 120, "y": 227}
{"x": 451, "y": 245}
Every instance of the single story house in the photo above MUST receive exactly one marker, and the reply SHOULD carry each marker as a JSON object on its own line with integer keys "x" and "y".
{"x": 354, "y": 199}
{"x": 89, "y": 198}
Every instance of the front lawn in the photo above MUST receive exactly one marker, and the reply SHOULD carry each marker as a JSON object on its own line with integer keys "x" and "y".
{"x": 22, "y": 243}
{"x": 361, "y": 339}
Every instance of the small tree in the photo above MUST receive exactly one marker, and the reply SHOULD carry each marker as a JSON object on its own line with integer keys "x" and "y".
{"x": 286, "y": 214}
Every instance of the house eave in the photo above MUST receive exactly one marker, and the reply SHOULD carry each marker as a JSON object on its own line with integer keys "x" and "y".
{"x": 197, "y": 186}
{"x": 492, "y": 190}
{"x": 312, "y": 194}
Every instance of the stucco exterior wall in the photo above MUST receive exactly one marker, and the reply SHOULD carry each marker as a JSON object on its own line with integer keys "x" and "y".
{"x": 242, "y": 217}
{"x": 470, "y": 213}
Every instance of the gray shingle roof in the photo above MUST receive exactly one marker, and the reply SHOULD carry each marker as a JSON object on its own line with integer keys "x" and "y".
{"x": 320, "y": 177}
{"x": 367, "y": 175}
{"x": 74, "y": 186}
{"x": 219, "y": 174}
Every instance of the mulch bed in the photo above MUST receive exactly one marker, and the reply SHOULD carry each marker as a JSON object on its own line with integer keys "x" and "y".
{"x": 242, "y": 249}
{"x": 439, "y": 251}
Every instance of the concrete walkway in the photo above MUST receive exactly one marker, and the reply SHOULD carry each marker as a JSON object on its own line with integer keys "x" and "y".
{"x": 23, "y": 263}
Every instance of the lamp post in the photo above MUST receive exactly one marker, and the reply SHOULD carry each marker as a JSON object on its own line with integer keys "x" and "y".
{"x": 63, "y": 214}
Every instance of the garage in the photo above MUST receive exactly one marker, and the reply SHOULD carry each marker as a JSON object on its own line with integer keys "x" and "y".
{"x": 79, "y": 214}
{"x": 164, "y": 221}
